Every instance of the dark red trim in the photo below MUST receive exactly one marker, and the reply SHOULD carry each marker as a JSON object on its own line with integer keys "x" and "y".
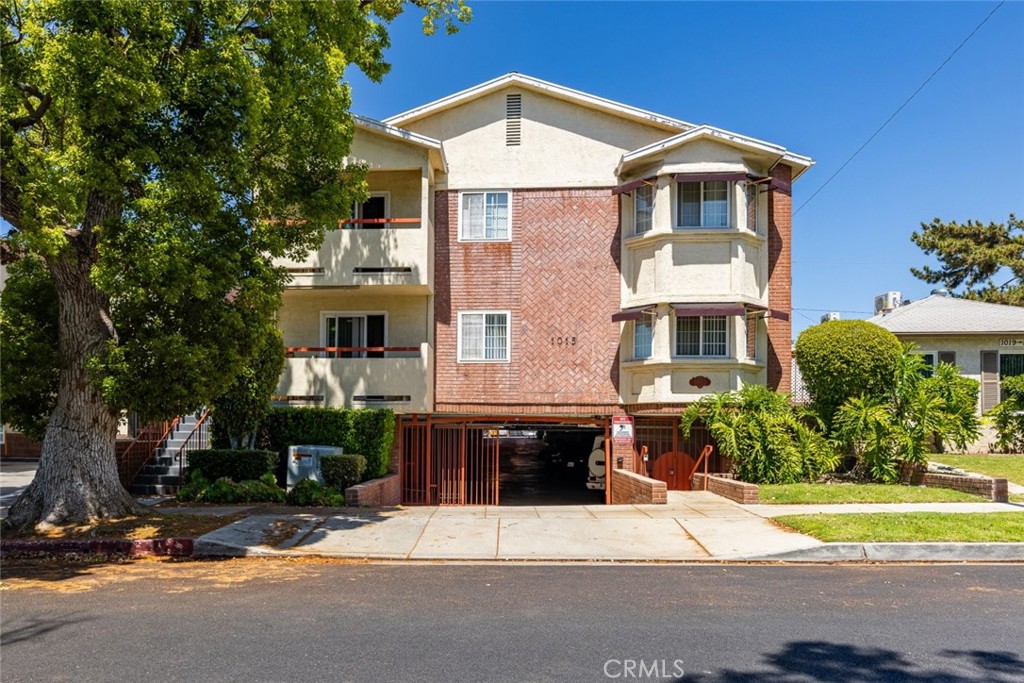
{"x": 629, "y": 187}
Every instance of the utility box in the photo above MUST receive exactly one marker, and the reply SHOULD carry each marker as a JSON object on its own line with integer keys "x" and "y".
{"x": 304, "y": 462}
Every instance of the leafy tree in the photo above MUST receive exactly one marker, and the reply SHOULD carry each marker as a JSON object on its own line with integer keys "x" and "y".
{"x": 987, "y": 261}
{"x": 158, "y": 156}
{"x": 241, "y": 408}
{"x": 767, "y": 440}
{"x": 841, "y": 359}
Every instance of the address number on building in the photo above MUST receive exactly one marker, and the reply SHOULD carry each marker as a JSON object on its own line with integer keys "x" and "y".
{"x": 563, "y": 341}
{"x": 1012, "y": 343}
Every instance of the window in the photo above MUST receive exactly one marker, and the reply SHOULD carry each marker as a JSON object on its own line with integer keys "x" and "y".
{"x": 704, "y": 335}
{"x": 643, "y": 335}
{"x": 703, "y": 204}
{"x": 354, "y": 330}
{"x": 372, "y": 213}
{"x": 932, "y": 359}
{"x": 483, "y": 336}
{"x": 1010, "y": 365}
{"x": 484, "y": 216}
{"x": 643, "y": 209}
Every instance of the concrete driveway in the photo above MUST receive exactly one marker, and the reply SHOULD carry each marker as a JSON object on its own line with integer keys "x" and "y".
{"x": 692, "y": 526}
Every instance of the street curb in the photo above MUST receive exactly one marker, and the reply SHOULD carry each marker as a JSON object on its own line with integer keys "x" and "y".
{"x": 161, "y": 547}
{"x": 900, "y": 552}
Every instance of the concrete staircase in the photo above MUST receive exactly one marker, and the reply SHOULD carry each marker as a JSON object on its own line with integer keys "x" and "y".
{"x": 161, "y": 475}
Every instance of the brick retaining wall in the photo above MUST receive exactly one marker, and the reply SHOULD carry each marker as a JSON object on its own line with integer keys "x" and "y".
{"x": 376, "y": 492}
{"x": 993, "y": 489}
{"x": 629, "y": 488}
{"x": 727, "y": 487}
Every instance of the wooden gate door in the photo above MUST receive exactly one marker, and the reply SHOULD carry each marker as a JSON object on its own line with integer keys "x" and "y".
{"x": 669, "y": 454}
{"x": 674, "y": 469}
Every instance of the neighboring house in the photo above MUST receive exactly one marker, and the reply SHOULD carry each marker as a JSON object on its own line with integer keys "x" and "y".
{"x": 985, "y": 340}
{"x": 532, "y": 254}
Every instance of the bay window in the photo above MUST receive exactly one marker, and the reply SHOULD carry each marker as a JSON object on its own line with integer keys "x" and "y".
{"x": 703, "y": 204}
{"x": 705, "y": 336}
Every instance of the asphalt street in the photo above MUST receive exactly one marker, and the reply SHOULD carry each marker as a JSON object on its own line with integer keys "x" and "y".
{"x": 281, "y": 620}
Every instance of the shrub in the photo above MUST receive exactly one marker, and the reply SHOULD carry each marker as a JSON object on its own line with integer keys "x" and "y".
{"x": 370, "y": 432}
{"x": 235, "y": 465}
{"x": 342, "y": 471}
{"x": 223, "y": 490}
{"x": 893, "y": 432}
{"x": 766, "y": 438}
{"x": 841, "y": 359}
{"x": 310, "y": 492}
{"x": 240, "y": 410}
{"x": 1008, "y": 416}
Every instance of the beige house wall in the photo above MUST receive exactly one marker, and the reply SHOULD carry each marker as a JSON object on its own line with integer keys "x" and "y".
{"x": 563, "y": 145}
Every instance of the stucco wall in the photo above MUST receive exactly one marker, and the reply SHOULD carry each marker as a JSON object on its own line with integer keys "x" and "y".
{"x": 563, "y": 145}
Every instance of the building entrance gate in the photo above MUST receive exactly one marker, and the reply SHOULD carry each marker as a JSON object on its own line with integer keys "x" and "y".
{"x": 449, "y": 464}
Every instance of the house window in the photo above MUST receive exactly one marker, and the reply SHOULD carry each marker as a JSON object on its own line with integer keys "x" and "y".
{"x": 373, "y": 212}
{"x": 1010, "y": 365}
{"x": 484, "y": 336}
{"x": 932, "y": 360}
{"x": 354, "y": 331}
{"x": 703, "y": 204}
{"x": 643, "y": 209}
{"x": 704, "y": 335}
{"x": 484, "y": 216}
{"x": 643, "y": 335}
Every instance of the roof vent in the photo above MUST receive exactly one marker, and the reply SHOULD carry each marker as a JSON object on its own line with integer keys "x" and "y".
{"x": 940, "y": 292}
{"x": 513, "y": 120}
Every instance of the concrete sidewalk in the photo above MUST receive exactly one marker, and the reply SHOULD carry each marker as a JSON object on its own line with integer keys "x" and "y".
{"x": 693, "y": 526}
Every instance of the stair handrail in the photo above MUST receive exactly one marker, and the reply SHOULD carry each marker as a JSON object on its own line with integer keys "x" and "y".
{"x": 703, "y": 457}
{"x": 196, "y": 435}
{"x": 130, "y": 463}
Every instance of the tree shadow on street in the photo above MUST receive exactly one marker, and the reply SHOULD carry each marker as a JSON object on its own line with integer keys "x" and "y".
{"x": 822, "y": 662}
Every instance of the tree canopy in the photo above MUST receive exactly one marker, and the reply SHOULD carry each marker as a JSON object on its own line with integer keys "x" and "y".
{"x": 978, "y": 261}
{"x": 158, "y": 158}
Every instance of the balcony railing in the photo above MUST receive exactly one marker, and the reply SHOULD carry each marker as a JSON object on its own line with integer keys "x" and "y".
{"x": 352, "y": 352}
{"x": 372, "y": 223}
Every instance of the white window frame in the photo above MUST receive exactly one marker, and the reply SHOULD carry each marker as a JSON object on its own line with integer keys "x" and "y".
{"x": 508, "y": 337}
{"x": 701, "y": 354}
{"x": 636, "y": 208}
{"x": 357, "y": 210}
{"x": 324, "y": 315}
{"x": 462, "y": 224}
{"x": 730, "y": 214}
{"x": 650, "y": 354}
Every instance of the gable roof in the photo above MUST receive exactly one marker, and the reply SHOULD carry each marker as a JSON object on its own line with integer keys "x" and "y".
{"x": 938, "y": 314}
{"x": 434, "y": 147}
{"x": 537, "y": 85}
{"x": 799, "y": 162}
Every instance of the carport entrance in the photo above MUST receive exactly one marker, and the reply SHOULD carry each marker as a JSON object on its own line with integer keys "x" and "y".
{"x": 478, "y": 461}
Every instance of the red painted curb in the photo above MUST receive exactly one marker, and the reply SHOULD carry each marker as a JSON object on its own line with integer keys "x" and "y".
{"x": 171, "y": 547}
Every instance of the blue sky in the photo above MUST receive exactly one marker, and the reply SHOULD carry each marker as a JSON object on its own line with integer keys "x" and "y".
{"x": 818, "y": 78}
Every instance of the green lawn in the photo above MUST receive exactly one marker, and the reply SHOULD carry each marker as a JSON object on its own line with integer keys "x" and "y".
{"x": 911, "y": 526}
{"x": 999, "y": 466}
{"x": 778, "y": 494}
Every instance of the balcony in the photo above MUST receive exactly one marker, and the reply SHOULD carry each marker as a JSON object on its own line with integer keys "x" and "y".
{"x": 387, "y": 241}
{"x": 399, "y": 378}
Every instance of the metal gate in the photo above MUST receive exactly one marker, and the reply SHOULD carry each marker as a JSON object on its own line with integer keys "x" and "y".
{"x": 449, "y": 464}
{"x": 670, "y": 455}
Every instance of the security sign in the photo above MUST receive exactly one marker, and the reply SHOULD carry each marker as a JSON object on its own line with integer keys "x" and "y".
{"x": 622, "y": 429}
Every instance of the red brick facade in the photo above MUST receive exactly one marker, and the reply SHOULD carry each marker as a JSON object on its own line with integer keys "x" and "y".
{"x": 780, "y": 282}
{"x": 559, "y": 279}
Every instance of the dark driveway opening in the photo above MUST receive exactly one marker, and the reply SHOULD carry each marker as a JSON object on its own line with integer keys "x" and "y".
{"x": 549, "y": 468}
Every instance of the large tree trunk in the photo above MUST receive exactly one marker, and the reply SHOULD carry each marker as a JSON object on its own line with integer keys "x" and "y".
{"x": 77, "y": 477}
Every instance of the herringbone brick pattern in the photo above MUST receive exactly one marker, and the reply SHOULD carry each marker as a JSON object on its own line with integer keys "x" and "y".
{"x": 780, "y": 282}
{"x": 558, "y": 278}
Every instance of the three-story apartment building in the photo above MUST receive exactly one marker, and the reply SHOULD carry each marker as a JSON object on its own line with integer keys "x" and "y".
{"x": 535, "y": 255}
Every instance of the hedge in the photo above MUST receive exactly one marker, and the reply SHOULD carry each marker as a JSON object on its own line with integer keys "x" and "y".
{"x": 342, "y": 471}
{"x": 236, "y": 465}
{"x": 369, "y": 432}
